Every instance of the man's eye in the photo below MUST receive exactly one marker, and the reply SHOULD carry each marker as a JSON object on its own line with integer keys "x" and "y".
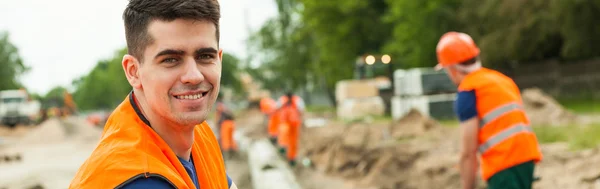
{"x": 205, "y": 56}
{"x": 169, "y": 60}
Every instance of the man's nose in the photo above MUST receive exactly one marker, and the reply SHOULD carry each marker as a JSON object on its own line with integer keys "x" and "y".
{"x": 192, "y": 73}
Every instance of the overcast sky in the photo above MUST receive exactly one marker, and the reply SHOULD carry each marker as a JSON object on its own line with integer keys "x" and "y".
{"x": 64, "y": 39}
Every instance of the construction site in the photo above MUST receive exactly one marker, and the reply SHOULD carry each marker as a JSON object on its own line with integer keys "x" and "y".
{"x": 356, "y": 150}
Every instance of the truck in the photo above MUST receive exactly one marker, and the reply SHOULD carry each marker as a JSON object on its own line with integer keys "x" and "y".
{"x": 16, "y": 107}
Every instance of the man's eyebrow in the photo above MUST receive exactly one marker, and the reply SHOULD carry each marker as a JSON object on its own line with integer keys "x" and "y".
{"x": 169, "y": 52}
{"x": 205, "y": 50}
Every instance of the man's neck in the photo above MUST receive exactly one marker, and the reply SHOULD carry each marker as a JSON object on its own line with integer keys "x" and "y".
{"x": 179, "y": 138}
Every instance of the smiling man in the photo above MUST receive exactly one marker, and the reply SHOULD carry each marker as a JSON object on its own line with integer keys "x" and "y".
{"x": 158, "y": 137}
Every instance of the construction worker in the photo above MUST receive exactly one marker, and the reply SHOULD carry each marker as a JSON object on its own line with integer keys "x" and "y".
{"x": 226, "y": 129}
{"x": 267, "y": 107}
{"x": 493, "y": 122}
{"x": 158, "y": 136}
{"x": 290, "y": 108}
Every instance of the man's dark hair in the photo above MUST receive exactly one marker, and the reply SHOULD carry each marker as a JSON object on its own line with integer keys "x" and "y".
{"x": 139, "y": 14}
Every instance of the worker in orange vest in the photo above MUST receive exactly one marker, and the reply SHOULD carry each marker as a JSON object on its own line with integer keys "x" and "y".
{"x": 267, "y": 107}
{"x": 226, "y": 129}
{"x": 493, "y": 122}
{"x": 158, "y": 136}
{"x": 290, "y": 108}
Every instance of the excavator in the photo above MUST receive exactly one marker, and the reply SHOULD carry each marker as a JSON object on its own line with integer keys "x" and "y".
{"x": 59, "y": 107}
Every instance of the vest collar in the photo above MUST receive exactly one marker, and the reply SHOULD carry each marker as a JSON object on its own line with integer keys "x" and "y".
{"x": 137, "y": 109}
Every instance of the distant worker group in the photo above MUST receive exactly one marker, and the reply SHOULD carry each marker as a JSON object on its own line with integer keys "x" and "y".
{"x": 284, "y": 123}
{"x": 492, "y": 118}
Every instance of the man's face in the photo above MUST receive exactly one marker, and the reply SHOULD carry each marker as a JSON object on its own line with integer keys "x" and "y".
{"x": 181, "y": 72}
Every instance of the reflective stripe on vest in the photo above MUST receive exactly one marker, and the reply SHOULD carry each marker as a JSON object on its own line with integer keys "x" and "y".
{"x": 503, "y": 135}
{"x": 496, "y": 113}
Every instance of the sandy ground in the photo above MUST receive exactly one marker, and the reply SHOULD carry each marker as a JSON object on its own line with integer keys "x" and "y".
{"x": 50, "y": 153}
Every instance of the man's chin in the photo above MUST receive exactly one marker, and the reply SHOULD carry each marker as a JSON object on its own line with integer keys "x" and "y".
{"x": 191, "y": 118}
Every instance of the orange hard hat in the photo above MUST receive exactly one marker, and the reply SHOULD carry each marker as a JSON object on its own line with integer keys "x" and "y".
{"x": 454, "y": 48}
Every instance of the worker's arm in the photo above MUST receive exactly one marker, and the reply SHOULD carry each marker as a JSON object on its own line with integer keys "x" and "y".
{"x": 468, "y": 154}
{"x": 466, "y": 110}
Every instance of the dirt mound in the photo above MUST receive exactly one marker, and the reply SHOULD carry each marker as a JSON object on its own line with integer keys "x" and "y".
{"x": 49, "y": 131}
{"x": 412, "y": 124}
{"x": 544, "y": 110}
{"x": 563, "y": 168}
{"x": 350, "y": 154}
{"x": 413, "y": 152}
{"x": 19, "y": 130}
{"x": 378, "y": 156}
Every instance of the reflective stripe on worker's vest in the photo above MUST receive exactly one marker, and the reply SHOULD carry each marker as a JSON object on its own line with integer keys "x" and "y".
{"x": 498, "y": 112}
{"x": 503, "y": 135}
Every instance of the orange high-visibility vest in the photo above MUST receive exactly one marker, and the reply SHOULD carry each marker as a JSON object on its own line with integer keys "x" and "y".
{"x": 227, "y": 140}
{"x": 275, "y": 119}
{"x": 290, "y": 130}
{"x": 505, "y": 137}
{"x": 130, "y": 149}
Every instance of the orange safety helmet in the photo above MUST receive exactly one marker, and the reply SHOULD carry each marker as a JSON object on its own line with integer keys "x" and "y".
{"x": 454, "y": 48}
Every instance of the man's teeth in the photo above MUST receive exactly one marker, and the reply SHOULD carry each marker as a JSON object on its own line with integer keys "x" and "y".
{"x": 191, "y": 97}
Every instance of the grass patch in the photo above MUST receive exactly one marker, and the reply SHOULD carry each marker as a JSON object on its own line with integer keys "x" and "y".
{"x": 452, "y": 123}
{"x": 578, "y": 137}
{"x": 587, "y": 105}
{"x": 320, "y": 108}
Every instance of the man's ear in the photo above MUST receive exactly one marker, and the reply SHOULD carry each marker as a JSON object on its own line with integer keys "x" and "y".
{"x": 220, "y": 54}
{"x": 131, "y": 66}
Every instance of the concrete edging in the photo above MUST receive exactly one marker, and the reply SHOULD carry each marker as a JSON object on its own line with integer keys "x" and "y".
{"x": 268, "y": 169}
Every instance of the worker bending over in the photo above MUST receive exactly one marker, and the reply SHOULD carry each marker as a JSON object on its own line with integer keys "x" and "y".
{"x": 290, "y": 108}
{"x": 492, "y": 118}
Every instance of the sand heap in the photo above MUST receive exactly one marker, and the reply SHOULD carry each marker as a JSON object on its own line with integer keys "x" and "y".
{"x": 544, "y": 110}
{"x": 414, "y": 123}
{"x": 378, "y": 156}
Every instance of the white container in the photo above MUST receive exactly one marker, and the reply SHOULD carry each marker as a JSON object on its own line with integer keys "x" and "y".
{"x": 440, "y": 106}
{"x": 423, "y": 81}
{"x": 356, "y": 108}
{"x": 399, "y": 75}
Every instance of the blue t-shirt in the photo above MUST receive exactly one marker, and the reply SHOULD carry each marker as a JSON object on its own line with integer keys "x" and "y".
{"x": 465, "y": 105}
{"x": 158, "y": 183}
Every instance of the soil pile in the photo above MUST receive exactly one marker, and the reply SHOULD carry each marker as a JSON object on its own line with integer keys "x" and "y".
{"x": 414, "y": 123}
{"x": 544, "y": 110}
{"x": 386, "y": 156}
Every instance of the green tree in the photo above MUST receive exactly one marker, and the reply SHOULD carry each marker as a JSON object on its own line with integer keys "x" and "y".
{"x": 417, "y": 27}
{"x": 344, "y": 30}
{"x": 512, "y": 30}
{"x": 287, "y": 50}
{"x": 579, "y": 28}
{"x": 54, "y": 97}
{"x": 11, "y": 64}
{"x": 104, "y": 87}
{"x": 230, "y": 72}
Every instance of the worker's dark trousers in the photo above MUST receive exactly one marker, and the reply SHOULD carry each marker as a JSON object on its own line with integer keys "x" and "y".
{"x": 516, "y": 177}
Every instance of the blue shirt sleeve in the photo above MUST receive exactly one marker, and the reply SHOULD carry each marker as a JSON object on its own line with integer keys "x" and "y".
{"x": 465, "y": 105}
{"x": 228, "y": 181}
{"x": 148, "y": 183}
